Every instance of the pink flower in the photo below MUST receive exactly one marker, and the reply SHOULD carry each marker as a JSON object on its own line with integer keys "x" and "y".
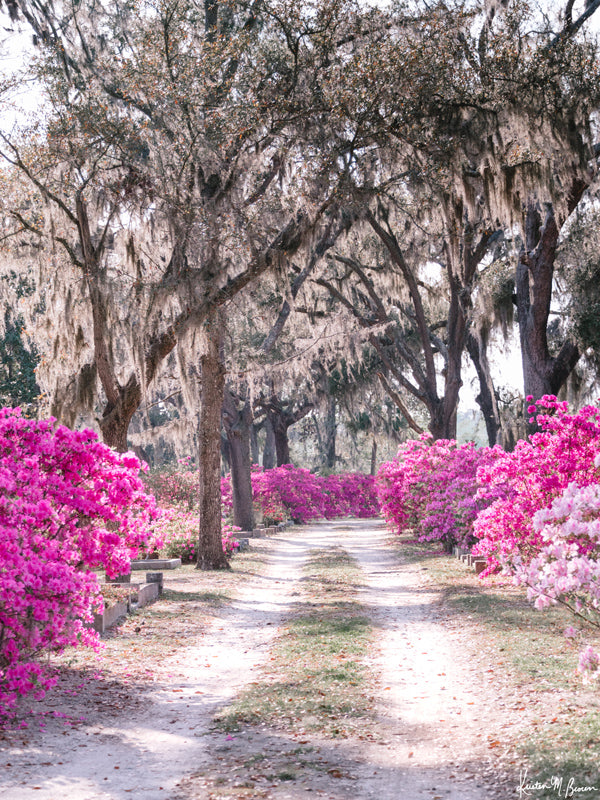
{"x": 68, "y": 505}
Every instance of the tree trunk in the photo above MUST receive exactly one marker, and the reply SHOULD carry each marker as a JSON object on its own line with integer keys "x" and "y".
{"x": 254, "y": 455}
{"x": 442, "y": 423}
{"x": 374, "y": 457}
{"x": 210, "y": 543}
{"x": 117, "y": 416}
{"x": 225, "y": 455}
{"x": 268, "y": 460}
{"x": 456, "y": 334}
{"x": 542, "y": 373}
{"x": 282, "y": 445}
{"x": 330, "y": 433}
{"x": 237, "y": 423}
{"x": 486, "y": 399}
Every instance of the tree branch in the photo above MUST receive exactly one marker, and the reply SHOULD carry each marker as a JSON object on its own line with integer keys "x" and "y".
{"x": 395, "y": 397}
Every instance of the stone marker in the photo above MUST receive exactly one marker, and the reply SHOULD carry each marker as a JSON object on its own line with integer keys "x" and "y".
{"x": 119, "y": 579}
{"x": 480, "y": 564}
{"x": 155, "y": 577}
{"x": 157, "y": 563}
{"x": 146, "y": 593}
{"x": 110, "y": 616}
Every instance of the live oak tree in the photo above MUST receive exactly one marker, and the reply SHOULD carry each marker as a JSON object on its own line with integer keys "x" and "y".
{"x": 282, "y": 412}
{"x": 209, "y": 103}
{"x": 83, "y": 193}
{"x": 214, "y": 113}
{"x": 517, "y": 124}
{"x": 489, "y": 115}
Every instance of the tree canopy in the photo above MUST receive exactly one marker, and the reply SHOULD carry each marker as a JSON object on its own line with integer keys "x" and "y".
{"x": 241, "y": 200}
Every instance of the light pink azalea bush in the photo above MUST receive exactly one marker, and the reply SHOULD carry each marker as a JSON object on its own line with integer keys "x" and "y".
{"x": 177, "y": 527}
{"x": 178, "y": 530}
{"x": 566, "y": 569}
{"x": 431, "y": 488}
{"x": 68, "y": 504}
{"x": 174, "y": 489}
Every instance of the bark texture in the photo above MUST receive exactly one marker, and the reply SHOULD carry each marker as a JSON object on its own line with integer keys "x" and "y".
{"x": 543, "y": 373}
{"x": 268, "y": 460}
{"x": 237, "y": 421}
{"x": 486, "y": 399}
{"x": 210, "y": 544}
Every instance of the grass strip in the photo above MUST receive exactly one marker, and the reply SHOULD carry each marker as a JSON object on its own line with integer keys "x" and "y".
{"x": 316, "y": 680}
{"x": 537, "y": 662}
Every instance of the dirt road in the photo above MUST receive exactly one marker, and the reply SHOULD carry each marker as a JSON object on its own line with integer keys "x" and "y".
{"x": 434, "y": 710}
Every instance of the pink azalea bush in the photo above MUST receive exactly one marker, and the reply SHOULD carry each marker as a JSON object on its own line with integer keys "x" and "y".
{"x": 177, "y": 527}
{"x": 567, "y": 566}
{"x": 174, "y": 489}
{"x": 294, "y": 488}
{"x": 305, "y": 496}
{"x": 350, "y": 494}
{"x": 566, "y": 569}
{"x": 279, "y": 493}
{"x": 531, "y": 477}
{"x": 431, "y": 488}
{"x": 534, "y": 512}
{"x": 68, "y": 505}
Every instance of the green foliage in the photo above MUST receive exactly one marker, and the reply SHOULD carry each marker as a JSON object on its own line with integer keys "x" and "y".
{"x": 18, "y": 385}
{"x": 183, "y": 548}
{"x": 579, "y": 277}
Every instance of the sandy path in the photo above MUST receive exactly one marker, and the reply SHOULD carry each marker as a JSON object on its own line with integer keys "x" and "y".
{"x": 432, "y": 750}
{"x": 434, "y": 709}
{"x": 145, "y": 754}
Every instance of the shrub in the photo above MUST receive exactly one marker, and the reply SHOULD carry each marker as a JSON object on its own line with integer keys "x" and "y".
{"x": 531, "y": 477}
{"x": 431, "y": 487}
{"x": 305, "y": 496}
{"x": 293, "y": 488}
{"x": 174, "y": 489}
{"x": 350, "y": 494}
{"x": 68, "y": 504}
{"x": 179, "y": 532}
{"x": 177, "y": 527}
{"x": 566, "y": 569}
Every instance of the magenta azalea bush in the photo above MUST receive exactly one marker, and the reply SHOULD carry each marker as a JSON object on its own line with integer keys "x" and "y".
{"x": 68, "y": 505}
{"x": 535, "y": 512}
{"x": 350, "y": 494}
{"x": 430, "y": 487}
{"x": 296, "y": 489}
{"x": 281, "y": 493}
{"x": 305, "y": 496}
{"x": 531, "y": 477}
